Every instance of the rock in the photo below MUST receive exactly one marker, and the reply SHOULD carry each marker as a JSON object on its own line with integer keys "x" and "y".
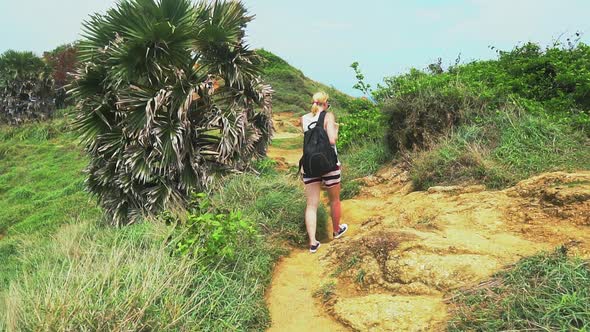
{"x": 381, "y": 312}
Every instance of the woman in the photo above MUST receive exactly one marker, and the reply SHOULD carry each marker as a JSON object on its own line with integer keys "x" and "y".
{"x": 330, "y": 180}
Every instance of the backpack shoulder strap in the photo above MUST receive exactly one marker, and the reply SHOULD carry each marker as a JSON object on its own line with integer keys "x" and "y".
{"x": 321, "y": 119}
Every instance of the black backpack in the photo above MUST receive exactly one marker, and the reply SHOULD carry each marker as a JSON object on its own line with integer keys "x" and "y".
{"x": 319, "y": 157}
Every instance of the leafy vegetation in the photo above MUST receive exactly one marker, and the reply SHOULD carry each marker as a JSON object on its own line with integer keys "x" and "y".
{"x": 215, "y": 235}
{"x": 493, "y": 122}
{"x": 546, "y": 292}
{"x": 158, "y": 119}
{"x": 63, "y": 61}
{"x": 418, "y": 118}
{"x": 365, "y": 122}
{"x": 363, "y": 87}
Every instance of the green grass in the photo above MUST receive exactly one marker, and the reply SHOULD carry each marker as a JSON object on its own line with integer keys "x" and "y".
{"x": 54, "y": 245}
{"x": 501, "y": 151}
{"x": 41, "y": 188}
{"x": 98, "y": 278}
{"x": 276, "y": 202}
{"x": 546, "y": 292}
{"x": 288, "y": 143}
{"x": 360, "y": 160}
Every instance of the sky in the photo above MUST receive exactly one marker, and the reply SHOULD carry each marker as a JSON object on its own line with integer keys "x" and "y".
{"x": 324, "y": 37}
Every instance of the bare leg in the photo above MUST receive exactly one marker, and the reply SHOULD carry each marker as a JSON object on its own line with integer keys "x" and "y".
{"x": 335, "y": 209}
{"x": 312, "y": 192}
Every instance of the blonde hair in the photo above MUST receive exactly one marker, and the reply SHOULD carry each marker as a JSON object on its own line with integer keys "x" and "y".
{"x": 319, "y": 97}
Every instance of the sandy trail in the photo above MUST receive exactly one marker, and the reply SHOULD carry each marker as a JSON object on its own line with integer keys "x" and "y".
{"x": 291, "y": 302}
{"x": 407, "y": 251}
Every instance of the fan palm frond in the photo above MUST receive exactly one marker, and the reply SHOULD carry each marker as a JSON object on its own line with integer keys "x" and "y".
{"x": 168, "y": 95}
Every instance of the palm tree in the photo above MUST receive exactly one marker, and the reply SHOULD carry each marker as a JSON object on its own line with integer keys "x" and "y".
{"x": 168, "y": 95}
{"x": 26, "y": 88}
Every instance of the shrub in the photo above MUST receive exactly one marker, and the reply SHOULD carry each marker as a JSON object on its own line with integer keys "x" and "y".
{"x": 364, "y": 122}
{"x": 63, "y": 61}
{"x": 556, "y": 78}
{"x": 528, "y": 111}
{"x": 212, "y": 234}
{"x": 26, "y": 88}
{"x": 417, "y": 119}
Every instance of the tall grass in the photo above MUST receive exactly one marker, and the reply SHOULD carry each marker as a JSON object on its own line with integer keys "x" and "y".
{"x": 62, "y": 270}
{"x": 105, "y": 279}
{"x": 359, "y": 160}
{"x": 500, "y": 151}
{"x": 41, "y": 188}
{"x": 546, "y": 292}
{"x": 276, "y": 202}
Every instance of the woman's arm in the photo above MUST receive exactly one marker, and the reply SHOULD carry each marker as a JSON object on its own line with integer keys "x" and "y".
{"x": 331, "y": 128}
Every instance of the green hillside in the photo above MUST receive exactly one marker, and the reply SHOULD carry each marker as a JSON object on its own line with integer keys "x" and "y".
{"x": 293, "y": 90}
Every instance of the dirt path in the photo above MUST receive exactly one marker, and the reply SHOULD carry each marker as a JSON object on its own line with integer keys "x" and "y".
{"x": 406, "y": 251}
{"x": 291, "y": 302}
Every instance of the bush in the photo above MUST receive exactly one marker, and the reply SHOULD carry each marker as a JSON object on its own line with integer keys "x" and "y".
{"x": 26, "y": 88}
{"x": 418, "y": 118}
{"x": 493, "y": 122}
{"x": 126, "y": 88}
{"x": 556, "y": 78}
{"x": 364, "y": 122}
{"x": 213, "y": 234}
